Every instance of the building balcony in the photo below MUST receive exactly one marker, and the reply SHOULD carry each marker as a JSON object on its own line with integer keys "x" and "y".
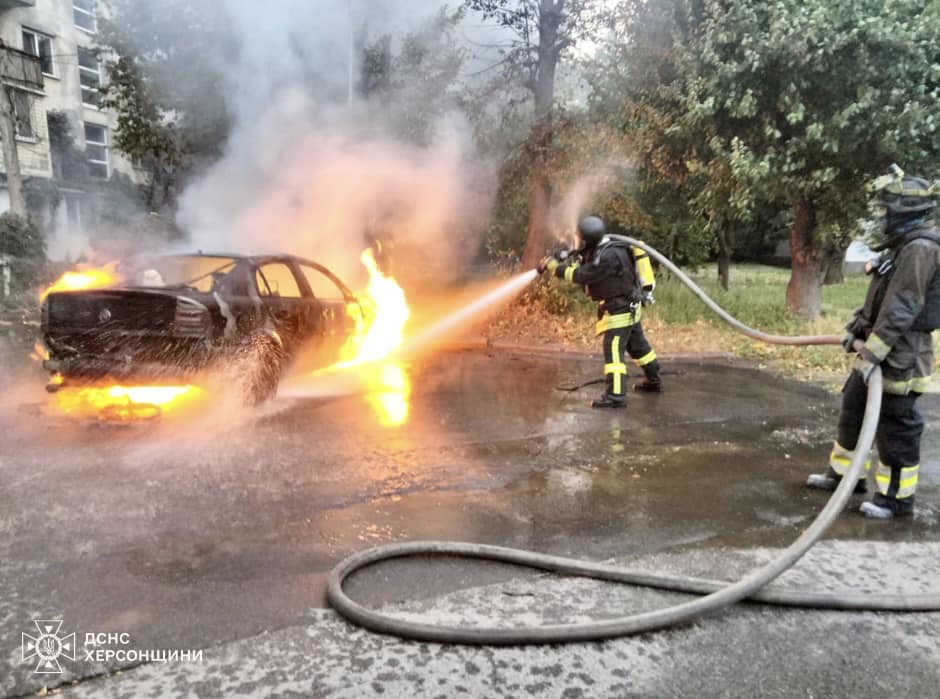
{"x": 20, "y": 68}
{"x": 12, "y": 4}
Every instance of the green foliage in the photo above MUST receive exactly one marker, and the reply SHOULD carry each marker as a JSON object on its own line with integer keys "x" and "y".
{"x": 21, "y": 239}
{"x": 750, "y": 109}
{"x": 561, "y": 298}
{"x": 417, "y": 85}
{"x": 169, "y": 100}
{"x": 792, "y": 98}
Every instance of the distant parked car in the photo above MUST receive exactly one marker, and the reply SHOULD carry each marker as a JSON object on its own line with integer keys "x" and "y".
{"x": 857, "y": 255}
{"x": 180, "y": 314}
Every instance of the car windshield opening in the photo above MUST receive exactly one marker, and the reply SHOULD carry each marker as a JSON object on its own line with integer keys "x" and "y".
{"x": 200, "y": 272}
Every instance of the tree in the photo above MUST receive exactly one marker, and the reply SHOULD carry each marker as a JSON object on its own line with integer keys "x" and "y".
{"x": 633, "y": 79}
{"x": 543, "y": 31}
{"x": 797, "y": 103}
{"x": 172, "y": 114}
{"x": 414, "y": 83}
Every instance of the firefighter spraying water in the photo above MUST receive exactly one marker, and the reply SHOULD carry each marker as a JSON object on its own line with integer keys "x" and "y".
{"x": 620, "y": 278}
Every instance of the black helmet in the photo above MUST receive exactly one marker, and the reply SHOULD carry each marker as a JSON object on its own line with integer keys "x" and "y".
{"x": 903, "y": 198}
{"x": 591, "y": 230}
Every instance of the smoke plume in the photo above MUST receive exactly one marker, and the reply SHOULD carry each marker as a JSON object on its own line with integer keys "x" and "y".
{"x": 313, "y": 169}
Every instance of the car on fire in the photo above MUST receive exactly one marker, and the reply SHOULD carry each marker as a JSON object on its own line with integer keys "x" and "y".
{"x": 183, "y": 314}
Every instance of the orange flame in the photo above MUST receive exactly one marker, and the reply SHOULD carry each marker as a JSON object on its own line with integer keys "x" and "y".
{"x": 84, "y": 278}
{"x": 386, "y": 311}
{"x": 123, "y": 403}
{"x": 380, "y": 318}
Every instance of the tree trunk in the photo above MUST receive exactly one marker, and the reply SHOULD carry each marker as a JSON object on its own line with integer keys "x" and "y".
{"x": 540, "y": 198}
{"x": 11, "y": 159}
{"x": 804, "y": 292}
{"x": 724, "y": 260}
{"x": 540, "y": 189}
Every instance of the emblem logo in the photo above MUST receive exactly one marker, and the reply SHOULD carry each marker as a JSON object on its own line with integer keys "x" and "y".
{"x": 48, "y": 647}
{"x": 104, "y": 315}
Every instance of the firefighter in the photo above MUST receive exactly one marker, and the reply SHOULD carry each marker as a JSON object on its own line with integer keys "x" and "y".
{"x": 901, "y": 309}
{"x": 620, "y": 279}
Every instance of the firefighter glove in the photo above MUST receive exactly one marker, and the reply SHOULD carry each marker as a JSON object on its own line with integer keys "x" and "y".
{"x": 847, "y": 341}
{"x": 548, "y": 263}
{"x": 865, "y": 364}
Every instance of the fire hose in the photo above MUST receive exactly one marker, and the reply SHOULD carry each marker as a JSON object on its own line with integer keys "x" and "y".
{"x": 715, "y": 595}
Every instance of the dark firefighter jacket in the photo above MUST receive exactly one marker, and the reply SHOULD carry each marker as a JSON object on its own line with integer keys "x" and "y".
{"x": 609, "y": 275}
{"x": 901, "y": 309}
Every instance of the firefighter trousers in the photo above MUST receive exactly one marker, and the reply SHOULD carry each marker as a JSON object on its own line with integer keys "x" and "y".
{"x": 632, "y": 341}
{"x": 900, "y": 427}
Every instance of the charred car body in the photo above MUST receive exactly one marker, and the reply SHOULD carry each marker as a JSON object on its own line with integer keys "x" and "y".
{"x": 183, "y": 314}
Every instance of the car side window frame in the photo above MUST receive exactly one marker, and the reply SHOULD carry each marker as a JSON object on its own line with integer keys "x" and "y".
{"x": 298, "y": 282}
{"x": 341, "y": 293}
{"x": 347, "y": 293}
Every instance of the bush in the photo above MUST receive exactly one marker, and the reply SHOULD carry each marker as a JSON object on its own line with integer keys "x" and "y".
{"x": 23, "y": 243}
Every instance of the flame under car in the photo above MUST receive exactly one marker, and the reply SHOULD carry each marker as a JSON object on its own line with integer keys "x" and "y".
{"x": 180, "y": 315}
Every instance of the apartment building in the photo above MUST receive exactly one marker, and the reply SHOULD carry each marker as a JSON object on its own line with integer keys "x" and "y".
{"x": 60, "y": 35}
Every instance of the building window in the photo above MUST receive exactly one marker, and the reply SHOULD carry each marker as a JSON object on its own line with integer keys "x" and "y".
{"x": 89, "y": 75}
{"x": 22, "y": 114}
{"x": 96, "y": 150}
{"x": 39, "y": 45}
{"x": 84, "y": 13}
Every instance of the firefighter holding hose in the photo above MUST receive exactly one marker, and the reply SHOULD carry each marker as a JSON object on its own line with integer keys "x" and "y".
{"x": 620, "y": 278}
{"x": 901, "y": 309}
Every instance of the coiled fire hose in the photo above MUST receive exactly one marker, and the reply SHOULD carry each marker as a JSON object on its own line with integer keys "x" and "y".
{"x": 716, "y": 594}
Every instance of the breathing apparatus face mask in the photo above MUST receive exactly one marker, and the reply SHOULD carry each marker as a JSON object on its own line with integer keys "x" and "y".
{"x": 902, "y": 202}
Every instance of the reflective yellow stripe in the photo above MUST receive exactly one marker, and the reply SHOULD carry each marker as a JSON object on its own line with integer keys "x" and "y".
{"x": 907, "y": 482}
{"x": 616, "y": 364}
{"x": 904, "y": 386}
{"x": 646, "y": 358}
{"x": 896, "y": 388}
{"x": 877, "y": 347}
{"x": 840, "y": 458}
{"x": 569, "y": 271}
{"x": 621, "y": 320}
{"x": 615, "y": 368}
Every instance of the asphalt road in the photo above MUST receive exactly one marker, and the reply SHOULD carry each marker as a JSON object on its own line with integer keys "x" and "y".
{"x": 216, "y": 534}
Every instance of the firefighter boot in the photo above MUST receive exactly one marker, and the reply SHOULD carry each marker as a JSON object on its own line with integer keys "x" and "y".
{"x": 609, "y": 400}
{"x": 830, "y": 481}
{"x": 885, "y": 507}
{"x": 651, "y": 383}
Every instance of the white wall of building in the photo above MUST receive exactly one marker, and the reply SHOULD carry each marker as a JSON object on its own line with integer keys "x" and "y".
{"x": 62, "y": 92}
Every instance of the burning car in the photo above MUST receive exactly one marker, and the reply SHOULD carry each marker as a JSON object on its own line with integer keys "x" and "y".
{"x": 185, "y": 314}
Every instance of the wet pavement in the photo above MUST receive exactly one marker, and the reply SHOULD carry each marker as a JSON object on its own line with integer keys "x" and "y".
{"x": 218, "y": 534}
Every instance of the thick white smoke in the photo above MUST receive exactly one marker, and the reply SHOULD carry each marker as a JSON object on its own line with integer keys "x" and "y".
{"x": 312, "y": 172}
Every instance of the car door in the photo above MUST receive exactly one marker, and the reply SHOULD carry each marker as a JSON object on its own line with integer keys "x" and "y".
{"x": 333, "y": 297}
{"x": 295, "y": 316}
